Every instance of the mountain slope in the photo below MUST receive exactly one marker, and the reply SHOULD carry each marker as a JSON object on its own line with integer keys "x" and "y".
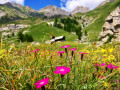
{"x": 53, "y": 11}
{"x": 80, "y": 9}
{"x": 40, "y": 34}
{"x": 15, "y": 11}
{"x": 104, "y": 2}
{"x": 98, "y": 15}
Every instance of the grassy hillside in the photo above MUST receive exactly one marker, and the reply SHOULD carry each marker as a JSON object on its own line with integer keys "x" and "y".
{"x": 39, "y": 33}
{"x": 39, "y": 30}
{"x": 99, "y": 16}
{"x": 17, "y": 12}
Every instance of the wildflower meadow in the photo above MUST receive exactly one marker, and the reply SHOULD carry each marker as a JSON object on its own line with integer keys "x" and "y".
{"x": 60, "y": 66}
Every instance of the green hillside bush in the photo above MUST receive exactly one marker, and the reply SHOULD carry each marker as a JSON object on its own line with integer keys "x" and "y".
{"x": 25, "y": 37}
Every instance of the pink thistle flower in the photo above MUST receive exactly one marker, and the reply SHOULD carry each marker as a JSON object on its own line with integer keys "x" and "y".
{"x": 117, "y": 81}
{"x": 103, "y": 64}
{"x": 65, "y": 46}
{"x": 100, "y": 76}
{"x": 35, "y": 50}
{"x": 62, "y": 70}
{"x": 110, "y": 66}
{"x": 73, "y": 49}
{"x": 82, "y": 53}
{"x": 61, "y": 52}
{"x": 95, "y": 74}
{"x": 41, "y": 83}
{"x": 97, "y": 64}
{"x": 116, "y": 67}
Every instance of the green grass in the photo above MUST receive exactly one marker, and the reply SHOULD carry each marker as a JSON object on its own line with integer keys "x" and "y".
{"x": 39, "y": 33}
{"x": 100, "y": 15}
{"x": 20, "y": 68}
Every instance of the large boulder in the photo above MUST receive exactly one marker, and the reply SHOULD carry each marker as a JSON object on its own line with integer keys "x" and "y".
{"x": 111, "y": 28}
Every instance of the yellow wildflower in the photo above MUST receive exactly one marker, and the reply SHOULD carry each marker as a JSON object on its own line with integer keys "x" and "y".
{"x": 105, "y": 56}
{"x": 87, "y": 51}
{"x": 95, "y": 57}
{"x": 111, "y": 57}
{"x": 111, "y": 50}
{"x": 105, "y": 60}
{"x": 106, "y": 84}
{"x": 96, "y": 51}
{"x": 2, "y": 53}
{"x": 103, "y": 50}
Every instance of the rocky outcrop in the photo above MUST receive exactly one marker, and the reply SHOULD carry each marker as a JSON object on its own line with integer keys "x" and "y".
{"x": 2, "y": 13}
{"x": 13, "y": 27}
{"x": 111, "y": 28}
{"x": 53, "y": 11}
{"x": 12, "y": 30}
{"x": 50, "y": 23}
{"x": 80, "y": 9}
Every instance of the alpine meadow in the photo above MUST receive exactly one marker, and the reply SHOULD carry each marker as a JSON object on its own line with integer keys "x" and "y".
{"x": 55, "y": 49}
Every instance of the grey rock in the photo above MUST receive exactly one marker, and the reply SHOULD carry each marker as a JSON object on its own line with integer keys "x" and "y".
{"x": 2, "y": 13}
{"x": 50, "y": 23}
{"x": 25, "y": 32}
{"x": 4, "y": 34}
{"x": 80, "y": 9}
{"x": 35, "y": 43}
{"x": 109, "y": 18}
{"x": 13, "y": 27}
{"x": 84, "y": 39}
{"x": 111, "y": 27}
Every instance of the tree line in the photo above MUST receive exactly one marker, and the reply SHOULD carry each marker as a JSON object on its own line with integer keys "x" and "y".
{"x": 69, "y": 25}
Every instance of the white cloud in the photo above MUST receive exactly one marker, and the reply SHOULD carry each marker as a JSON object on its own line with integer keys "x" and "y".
{"x": 70, "y": 5}
{"x": 15, "y": 1}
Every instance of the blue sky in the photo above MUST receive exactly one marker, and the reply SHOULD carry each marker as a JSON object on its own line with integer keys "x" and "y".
{"x": 37, "y": 4}
{"x": 67, "y": 5}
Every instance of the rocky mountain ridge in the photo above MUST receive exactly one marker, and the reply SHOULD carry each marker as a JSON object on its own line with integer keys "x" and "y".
{"x": 14, "y": 11}
{"x": 26, "y": 11}
{"x": 80, "y": 9}
{"x": 53, "y": 11}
